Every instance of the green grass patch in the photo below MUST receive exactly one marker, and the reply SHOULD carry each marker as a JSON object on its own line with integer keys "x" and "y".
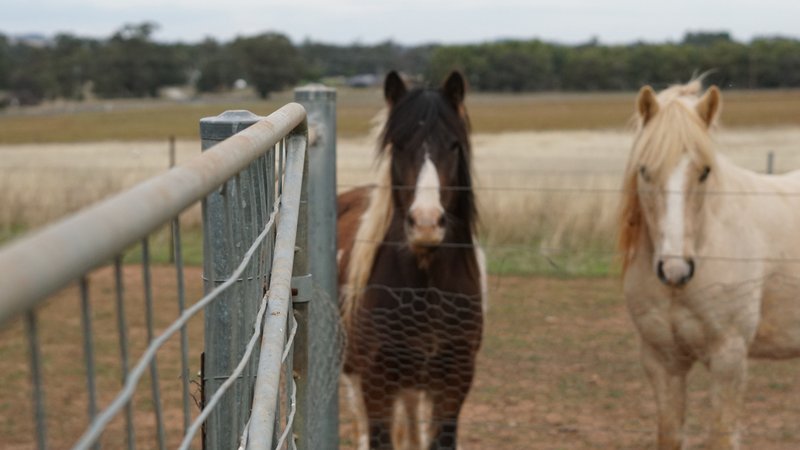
{"x": 160, "y": 247}
{"x": 9, "y": 233}
{"x": 581, "y": 259}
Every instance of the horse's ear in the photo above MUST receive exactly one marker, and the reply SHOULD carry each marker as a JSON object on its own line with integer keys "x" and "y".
{"x": 709, "y": 105}
{"x": 454, "y": 89}
{"x": 394, "y": 88}
{"x": 646, "y": 104}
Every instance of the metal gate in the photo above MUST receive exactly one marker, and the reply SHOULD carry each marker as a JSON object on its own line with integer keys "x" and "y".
{"x": 270, "y": 366}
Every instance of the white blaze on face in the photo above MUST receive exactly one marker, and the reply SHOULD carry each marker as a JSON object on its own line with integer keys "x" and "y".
{"x": 672, "y": 224}
{"x": 426, "y": 195}
{"x": 426, "y": 210}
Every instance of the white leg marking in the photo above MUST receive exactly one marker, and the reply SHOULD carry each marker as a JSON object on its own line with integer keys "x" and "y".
{"x": 355, "y": 398}
{"x": 480, "y": 256}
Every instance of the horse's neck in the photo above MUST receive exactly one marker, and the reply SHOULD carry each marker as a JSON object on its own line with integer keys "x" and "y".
{"x": 725, "y": 189}
{"x": 738, "y": 181}
{"x": 732, "y": 177}
{"x": 744, "y": 203}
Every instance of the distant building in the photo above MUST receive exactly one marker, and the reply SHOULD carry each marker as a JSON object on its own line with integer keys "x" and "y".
{"x": 176, "y": 93}
{"x": 363, "y": 80}
{"x": 31, "y": 39}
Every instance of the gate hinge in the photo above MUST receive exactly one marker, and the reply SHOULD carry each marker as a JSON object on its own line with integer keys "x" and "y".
{"x": 302, "y": 288}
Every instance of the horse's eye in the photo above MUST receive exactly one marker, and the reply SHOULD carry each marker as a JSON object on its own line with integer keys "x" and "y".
{"x": 705, "y": 173}
{"x": 455, "y": 146}
{"x": 643, "y": 173}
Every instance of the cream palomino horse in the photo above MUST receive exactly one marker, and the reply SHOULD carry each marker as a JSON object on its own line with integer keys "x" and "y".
{"x": 710, "y": 252}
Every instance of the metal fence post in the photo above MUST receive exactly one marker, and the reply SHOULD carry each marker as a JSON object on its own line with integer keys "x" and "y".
{"x": 322, "y": 422}
{"x": 301, "y": 363}
{"x": 171, "y": 165}
{"x": 229, "y": 222}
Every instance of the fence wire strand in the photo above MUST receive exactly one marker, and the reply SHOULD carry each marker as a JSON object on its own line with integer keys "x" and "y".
{"x": 290, "y": 419}
{"x": 293, "y": 397}
{"x": 549, "y": 251}
{"x": 571, "y": 190}
{"x": 223, "y": 388}
{"x": 293, "y": 405}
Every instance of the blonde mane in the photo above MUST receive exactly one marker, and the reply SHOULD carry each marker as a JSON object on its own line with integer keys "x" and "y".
{"x": 372, "y": 228}
{"x": 675, "y": 130}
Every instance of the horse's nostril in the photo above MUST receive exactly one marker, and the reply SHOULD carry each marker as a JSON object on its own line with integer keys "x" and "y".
{"x": 441, "y": 221}
{"x": 410, "y": 220}
{"x": 660, "y": 270}
{"x": 675, "y": 272}
{"x": 688, "y": 276}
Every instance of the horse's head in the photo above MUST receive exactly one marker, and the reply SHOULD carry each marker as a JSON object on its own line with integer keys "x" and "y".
{"x": 669, "y": 171}
{"x": 427, "y": 138}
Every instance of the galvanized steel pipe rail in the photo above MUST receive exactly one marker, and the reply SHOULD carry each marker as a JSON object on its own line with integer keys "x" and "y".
{"x": 279, "y": 302}
{"x": 28, "y": 274}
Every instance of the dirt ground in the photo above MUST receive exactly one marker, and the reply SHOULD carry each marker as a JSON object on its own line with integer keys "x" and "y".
{"x": 558, "y": 370}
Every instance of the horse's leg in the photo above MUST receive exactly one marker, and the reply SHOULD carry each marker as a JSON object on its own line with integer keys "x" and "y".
{"x": 355, "y": 399}
{"x": 669, "y": 384}
{"x": 406, "y": 425}
{"x": 448, "y": 390}
{"x": 728, "y": 367}
{"x": 446, "y": 408}
{"x": 424, "y": 414}
{"x": 379, "y": 398}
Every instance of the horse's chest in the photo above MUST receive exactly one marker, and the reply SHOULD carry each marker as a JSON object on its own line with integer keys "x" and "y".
{"x": 420, "y": 326}
{"x": 689, "y": 330}
{"x": 424, "y": 314}
{"x": 692, "y": 326}
{"x": 672, "y": 327}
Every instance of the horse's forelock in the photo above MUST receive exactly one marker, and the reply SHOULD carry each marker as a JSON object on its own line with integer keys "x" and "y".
{"x": 675, "y": 131}
{"x": 420, "y": 114}
{"x": 688, "y": 92}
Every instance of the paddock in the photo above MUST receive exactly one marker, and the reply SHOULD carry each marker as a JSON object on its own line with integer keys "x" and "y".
{"x": 559, "y": 364}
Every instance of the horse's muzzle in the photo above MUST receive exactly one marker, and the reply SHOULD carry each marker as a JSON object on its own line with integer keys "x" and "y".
{"x": 675, "y": 272}
{"x": 425, "y": 228}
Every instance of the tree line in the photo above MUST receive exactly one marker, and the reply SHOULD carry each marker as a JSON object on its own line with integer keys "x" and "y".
{"x": 131, "y": 63}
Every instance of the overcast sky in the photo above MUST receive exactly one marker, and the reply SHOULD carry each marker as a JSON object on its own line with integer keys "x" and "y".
{"x": 409, "y": 21}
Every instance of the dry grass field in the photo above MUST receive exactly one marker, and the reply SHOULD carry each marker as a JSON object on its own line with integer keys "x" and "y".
{"x": 548, "y": 198}
{"x": 559, "y": 365}
{"x": 153, "y": 120}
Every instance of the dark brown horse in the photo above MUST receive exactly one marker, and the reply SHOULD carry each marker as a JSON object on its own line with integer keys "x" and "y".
{"x": 411, "y": 274}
